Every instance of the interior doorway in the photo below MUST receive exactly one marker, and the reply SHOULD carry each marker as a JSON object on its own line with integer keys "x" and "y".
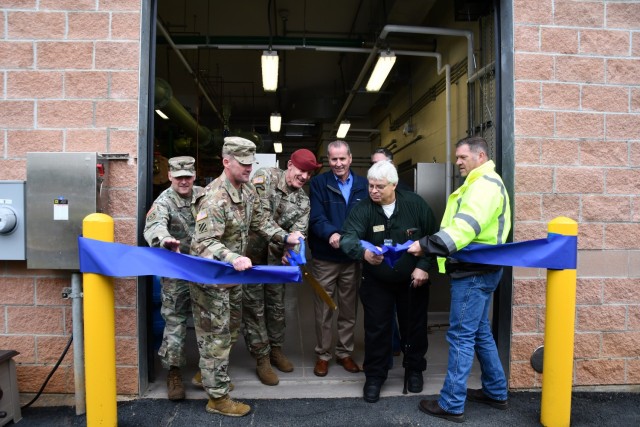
{"x": 216, "y": 83}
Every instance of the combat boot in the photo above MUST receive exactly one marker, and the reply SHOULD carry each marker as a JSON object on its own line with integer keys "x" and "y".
{"x": 226, "y": 406}
{"x": 265, "y": 372}
{"x": 175, "y": 388}
{"x": 279, "y": 360}
{"x": 197, "y": 381}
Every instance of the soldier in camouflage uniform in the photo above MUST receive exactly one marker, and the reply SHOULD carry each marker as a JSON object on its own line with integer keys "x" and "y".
{"x": 169, "y": 224}
{"x": 228, "y": 210}
{"x": 263, "y": 317}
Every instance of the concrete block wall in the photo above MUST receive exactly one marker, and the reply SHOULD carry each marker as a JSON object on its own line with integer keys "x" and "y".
{"x": 577, "y": 126}
{"x": 69, "y": 81}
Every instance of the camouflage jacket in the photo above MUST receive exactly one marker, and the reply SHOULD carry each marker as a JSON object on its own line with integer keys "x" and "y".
{"x": 289, "y": 207}
{"x": 172, "y": 216}
{"x": 225, "y": 216}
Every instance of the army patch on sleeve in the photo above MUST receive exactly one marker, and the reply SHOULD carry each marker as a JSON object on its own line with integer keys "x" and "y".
{"x": 152, "y": 210}
{"x": 258, "y": 180}
{"x": 202, "y": 227}
{"x": 201, "y": 215}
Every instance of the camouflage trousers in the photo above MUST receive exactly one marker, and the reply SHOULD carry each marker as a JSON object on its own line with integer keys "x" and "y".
{"x": 217, "y": 316}
{"x": 176, "y": 302}
{"x": 263, "y": 317}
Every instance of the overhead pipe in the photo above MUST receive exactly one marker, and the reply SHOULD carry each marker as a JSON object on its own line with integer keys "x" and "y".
{"x": 426, "y": 31}
{"x": 184, "y": 61}
{"x": 471, "y": 63}
{"x": 447, "y": 71}
{"x": 168, "y": 104}
{"x": 367, "y": 65}
{"x": 191, "y": 42}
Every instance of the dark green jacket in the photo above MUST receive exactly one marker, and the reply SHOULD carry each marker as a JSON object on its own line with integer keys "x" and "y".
{"x": 412, "y": 219}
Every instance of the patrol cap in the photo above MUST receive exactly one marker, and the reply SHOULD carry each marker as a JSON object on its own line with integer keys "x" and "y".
{"x": 182, "y": 166}
{"x": 241, "y": 149}
{"x": 305, "y": 160}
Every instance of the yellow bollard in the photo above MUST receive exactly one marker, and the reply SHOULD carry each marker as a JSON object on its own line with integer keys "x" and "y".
{"x": 557, "y": 362}
{"x": 99, "y": 332}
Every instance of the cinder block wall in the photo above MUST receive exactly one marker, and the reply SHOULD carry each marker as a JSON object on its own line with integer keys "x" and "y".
{"x": 69, "y": 74}
{"x": 577, "y": 126}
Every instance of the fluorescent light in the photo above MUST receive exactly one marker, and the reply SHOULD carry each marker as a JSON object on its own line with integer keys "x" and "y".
{"x": 343, "y": 129}
{"x": 381, "y": 71}
{"x": 161, "y": 114}
{"x": 270, "y": 70}
{"x": 277, "y": 147}
{"x": 274, "y": 122}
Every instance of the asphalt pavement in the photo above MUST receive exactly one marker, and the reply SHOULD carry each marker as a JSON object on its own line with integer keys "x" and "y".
{"x": 587, "y": 409}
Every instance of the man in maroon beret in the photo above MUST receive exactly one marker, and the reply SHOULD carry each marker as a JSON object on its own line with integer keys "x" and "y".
{"x": 263, "y": 317}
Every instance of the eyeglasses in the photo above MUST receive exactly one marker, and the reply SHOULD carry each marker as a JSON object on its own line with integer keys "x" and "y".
{"x": 378, "y": 187}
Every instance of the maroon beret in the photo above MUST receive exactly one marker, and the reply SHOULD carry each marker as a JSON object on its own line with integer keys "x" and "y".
{"x": 304, "y": 160}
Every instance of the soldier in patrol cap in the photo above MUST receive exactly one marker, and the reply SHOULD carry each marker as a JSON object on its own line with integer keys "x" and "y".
{"x": 229, "y": 208}
{"x": 284, "y": 200}
{"x": 170, "y": 224}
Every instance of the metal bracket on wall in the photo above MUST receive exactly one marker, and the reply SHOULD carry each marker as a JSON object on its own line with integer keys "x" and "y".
{"x": 68, "y": 293}
{"x": 113, "y": 156}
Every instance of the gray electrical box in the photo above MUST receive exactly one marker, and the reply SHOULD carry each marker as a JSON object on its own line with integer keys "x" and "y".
{"x": 62, "y": 189}
{"x": 12, "y": 221}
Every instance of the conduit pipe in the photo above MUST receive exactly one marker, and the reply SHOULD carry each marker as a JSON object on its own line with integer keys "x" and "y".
{"x": 168, "y": 104}
{"x": 367, "y": 65}
{"x": 447, "y": 71}
{"x": 166, "y": 35}
{"x": 78, "y": 342}
{"x": 427, "y": 31}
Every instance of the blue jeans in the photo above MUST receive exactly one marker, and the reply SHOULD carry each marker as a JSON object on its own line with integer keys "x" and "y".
{"x": 469, "y": 331}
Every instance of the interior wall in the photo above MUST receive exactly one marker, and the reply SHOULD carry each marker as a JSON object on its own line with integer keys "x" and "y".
{"x": 430, "y": 121}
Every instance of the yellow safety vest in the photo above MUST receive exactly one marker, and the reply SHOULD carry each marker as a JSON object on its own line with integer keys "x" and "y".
{"x": 477, "y": 212}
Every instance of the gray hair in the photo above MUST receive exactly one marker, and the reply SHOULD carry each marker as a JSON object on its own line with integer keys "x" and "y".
{"x": 337, "y": 144}
{"x": 383, "y": 170}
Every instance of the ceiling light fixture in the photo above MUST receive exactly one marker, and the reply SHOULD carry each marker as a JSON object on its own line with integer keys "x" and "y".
{"x": 277, "y": 147}
{"x": 270, "y": 70}
{"x": 161, "y": 114}
{"x": 343, "y": 129}
{"x": 381, "y": 71}
{"x": 274, "y": 122}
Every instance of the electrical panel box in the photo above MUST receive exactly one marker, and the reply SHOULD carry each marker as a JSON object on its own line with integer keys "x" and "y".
{"x": 12, "y": 221}
{"x": 62, "y": 189}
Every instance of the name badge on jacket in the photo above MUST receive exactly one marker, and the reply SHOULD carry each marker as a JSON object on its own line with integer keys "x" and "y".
{"x": 378, "y": 228}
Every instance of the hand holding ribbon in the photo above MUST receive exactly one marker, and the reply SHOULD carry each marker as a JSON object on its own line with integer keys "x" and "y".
{"x": 391, "y": 253}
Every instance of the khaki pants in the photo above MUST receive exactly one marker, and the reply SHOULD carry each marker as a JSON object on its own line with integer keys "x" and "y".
{"x": 341, "y": 281}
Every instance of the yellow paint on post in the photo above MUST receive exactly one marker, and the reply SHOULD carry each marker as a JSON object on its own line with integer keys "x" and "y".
{"x": 99, "y": 332}
{"x": 557, "y": 361}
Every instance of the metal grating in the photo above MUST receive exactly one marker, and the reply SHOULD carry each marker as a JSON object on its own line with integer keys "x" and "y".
{"x": 486, "y": 101}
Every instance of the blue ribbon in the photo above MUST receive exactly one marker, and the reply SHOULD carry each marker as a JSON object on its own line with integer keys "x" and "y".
{"x": 119, "y": 260}
{"x": 556, "y": 252}
{"x": 298, "y": 258}
{"x": 391, "y": 253}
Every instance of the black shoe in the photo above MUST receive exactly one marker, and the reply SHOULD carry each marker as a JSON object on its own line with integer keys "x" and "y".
{"x": 432, "y": 408}
{"x": 371, "y": 389}
{"x": 415, "y": 382}
{"x": 477, "y": 395}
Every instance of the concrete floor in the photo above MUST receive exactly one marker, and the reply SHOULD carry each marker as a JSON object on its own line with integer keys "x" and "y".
{"x": 299, "y": 345}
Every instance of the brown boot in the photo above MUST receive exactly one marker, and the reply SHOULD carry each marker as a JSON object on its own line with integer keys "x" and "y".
{"x": 265, "y": 372}
{"x": 279, "y": 360}
{"x": 226, "y": 406}
{"x": 197, "y": 381}
{"x": 175, "y": 388}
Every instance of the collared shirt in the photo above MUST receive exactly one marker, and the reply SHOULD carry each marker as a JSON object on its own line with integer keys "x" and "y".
{"x": 345, "y": 186}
